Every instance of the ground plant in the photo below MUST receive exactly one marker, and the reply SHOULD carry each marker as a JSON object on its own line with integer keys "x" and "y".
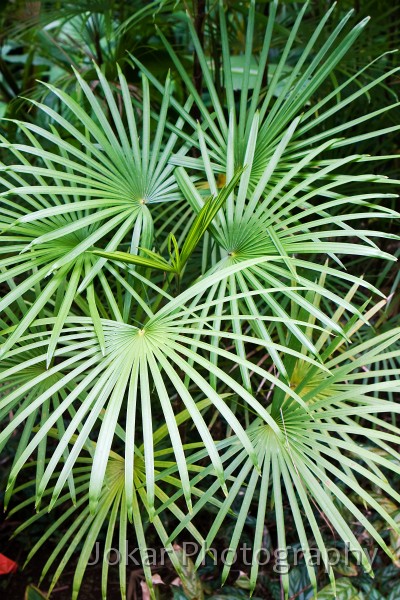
{"x": 199, "y": 334}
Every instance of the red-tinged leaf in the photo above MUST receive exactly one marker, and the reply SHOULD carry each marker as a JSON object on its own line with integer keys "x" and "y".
{"x": 7, "y": 565}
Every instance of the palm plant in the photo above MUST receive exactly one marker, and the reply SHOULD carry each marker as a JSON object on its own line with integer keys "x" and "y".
{"x": 321, "y": 446}
{"x": 157, "y": 267}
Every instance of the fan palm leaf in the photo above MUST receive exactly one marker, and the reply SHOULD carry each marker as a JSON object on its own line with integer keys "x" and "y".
{"x": 316, "y": 457}
{"x": 79, "y": 196}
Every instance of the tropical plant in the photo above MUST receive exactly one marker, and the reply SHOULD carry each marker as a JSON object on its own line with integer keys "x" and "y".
{"x": 166, "y": 277}
{"x": 41, "y": 41}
